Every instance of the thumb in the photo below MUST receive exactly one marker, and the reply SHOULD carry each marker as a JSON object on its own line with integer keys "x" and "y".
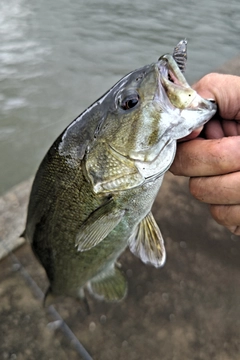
{"x": 225, "y": 90}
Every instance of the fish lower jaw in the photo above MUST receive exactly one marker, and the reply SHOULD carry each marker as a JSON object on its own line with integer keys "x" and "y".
{"x": 180, "y": 97}
{"x": 170, "y": 70}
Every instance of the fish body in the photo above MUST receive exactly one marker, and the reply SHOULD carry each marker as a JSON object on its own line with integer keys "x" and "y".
{"x": 93, "y": 192}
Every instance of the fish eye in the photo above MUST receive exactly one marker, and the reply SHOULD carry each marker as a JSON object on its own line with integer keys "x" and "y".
{"x": 129, "y": 102}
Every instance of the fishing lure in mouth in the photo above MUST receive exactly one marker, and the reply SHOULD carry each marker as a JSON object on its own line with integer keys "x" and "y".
{"x": 180, "y": 54}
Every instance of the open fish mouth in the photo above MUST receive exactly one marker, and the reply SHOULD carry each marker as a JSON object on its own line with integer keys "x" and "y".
{"x": 179, "y": 92}
{"x": 170, "y": 71}
{"x": 177, "y": 89}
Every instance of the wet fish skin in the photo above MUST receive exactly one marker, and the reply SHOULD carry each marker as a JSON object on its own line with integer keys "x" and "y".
{"x": 93, "y": 192}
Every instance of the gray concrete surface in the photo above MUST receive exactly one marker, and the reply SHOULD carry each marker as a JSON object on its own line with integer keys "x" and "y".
{"x": 190, "y": 309}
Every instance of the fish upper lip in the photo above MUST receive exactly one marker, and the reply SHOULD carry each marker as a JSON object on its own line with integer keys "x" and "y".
{"x": 170, "y": 74}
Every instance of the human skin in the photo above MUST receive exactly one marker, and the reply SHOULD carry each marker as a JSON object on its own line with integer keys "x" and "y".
{"x": 212, "y": 160}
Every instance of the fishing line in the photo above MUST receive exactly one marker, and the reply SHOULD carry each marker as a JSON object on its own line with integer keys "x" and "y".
{"x": 60, "y": 323}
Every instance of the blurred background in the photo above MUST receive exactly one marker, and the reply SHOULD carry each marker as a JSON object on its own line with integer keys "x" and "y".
{"x": 56, "y": 58}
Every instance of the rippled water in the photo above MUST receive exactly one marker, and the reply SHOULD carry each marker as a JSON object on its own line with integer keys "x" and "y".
{"x": 58, "y": 57}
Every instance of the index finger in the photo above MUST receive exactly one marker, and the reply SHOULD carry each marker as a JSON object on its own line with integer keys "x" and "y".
{"x": 225, "y": 89}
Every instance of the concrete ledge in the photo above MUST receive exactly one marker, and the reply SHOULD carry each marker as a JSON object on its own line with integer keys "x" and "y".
{"x": 13, "y": 209}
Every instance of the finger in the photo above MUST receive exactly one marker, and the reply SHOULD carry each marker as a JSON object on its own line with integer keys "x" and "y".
{"x": 228, "y": 216}
{"x": 230, "y": 128}
{"x": 234, "y": 229}
{"x": 225, "y": 89}
{"x": 217, "y": 128}
{"x": 213, "y": 129}
{"x": 223, "y": 189}
{"x": 202, "y": 157}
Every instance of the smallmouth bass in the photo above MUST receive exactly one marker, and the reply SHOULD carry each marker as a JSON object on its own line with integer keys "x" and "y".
{"x": 93, "y": 192}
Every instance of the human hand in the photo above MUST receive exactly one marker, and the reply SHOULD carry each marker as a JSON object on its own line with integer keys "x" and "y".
{"x": 212, "y": 160}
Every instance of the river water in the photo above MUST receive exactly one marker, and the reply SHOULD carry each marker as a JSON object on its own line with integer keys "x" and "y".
{"x": 57, "y": 57}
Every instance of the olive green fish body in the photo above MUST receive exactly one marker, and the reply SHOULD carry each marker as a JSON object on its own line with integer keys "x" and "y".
{"x": 62, "y": 190}
{"x": 93, "y": 192}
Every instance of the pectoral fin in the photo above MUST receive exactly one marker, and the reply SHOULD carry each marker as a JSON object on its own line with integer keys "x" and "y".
{"x": 147, "y": 242}
{"x": 98, "y": 225}
{"x": 109, "y": 286}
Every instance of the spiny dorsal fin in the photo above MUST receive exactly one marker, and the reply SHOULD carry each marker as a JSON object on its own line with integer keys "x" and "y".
{"x": 109, "y": 286}
{"x": 147, "y": 242}
{"x": 98, "y": 225}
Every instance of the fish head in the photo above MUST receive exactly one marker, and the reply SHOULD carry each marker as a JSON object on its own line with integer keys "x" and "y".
{"x": 129, "y": 135}
{"x": 148, "y": 111}
{"x": 154, "y": 106}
